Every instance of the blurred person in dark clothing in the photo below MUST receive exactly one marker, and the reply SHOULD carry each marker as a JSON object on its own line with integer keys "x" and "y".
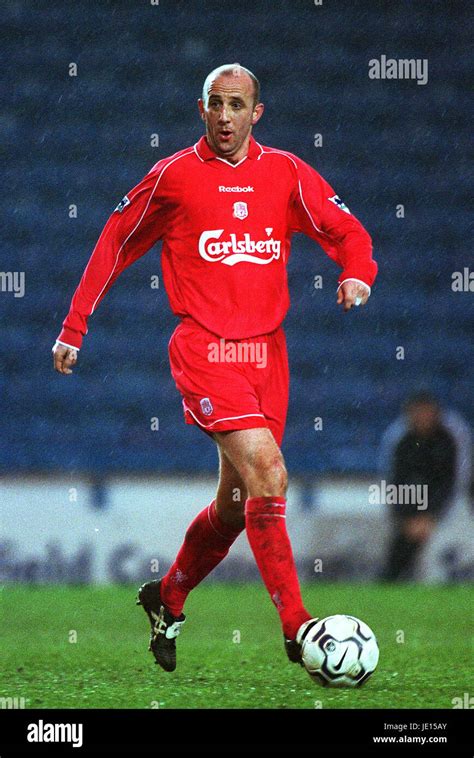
{"x": 425, "y": 447}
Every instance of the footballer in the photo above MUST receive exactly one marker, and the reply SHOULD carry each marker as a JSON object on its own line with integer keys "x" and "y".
{"x": 225, "y": 209}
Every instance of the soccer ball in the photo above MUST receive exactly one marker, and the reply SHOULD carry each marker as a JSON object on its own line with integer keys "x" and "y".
{"x": 338, "y": 651}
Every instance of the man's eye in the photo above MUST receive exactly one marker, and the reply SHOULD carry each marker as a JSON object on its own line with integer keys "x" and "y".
{"x": 236, "y": 105}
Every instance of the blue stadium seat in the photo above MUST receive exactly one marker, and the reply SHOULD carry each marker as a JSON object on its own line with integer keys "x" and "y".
{"x": 88, "y": 143}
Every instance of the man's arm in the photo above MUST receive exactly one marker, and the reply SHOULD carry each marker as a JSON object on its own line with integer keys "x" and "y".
{"x": 134, "y": 226}
{"x": 323, "y": 216}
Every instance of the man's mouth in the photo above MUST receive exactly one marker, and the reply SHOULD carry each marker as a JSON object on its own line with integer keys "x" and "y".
{"x": 225, "y": 134}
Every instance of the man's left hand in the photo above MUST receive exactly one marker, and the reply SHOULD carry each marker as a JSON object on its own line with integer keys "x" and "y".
{"x": 352, "y": 294}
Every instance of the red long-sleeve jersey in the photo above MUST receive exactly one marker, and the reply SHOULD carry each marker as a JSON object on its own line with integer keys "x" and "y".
{"x": 226, "y": 232}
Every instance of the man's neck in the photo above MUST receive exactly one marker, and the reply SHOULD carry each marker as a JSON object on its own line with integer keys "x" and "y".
{"x": 236, "y": 157}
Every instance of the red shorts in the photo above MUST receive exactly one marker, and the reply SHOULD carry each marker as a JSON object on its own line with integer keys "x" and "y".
{"x": 231, "y": 384}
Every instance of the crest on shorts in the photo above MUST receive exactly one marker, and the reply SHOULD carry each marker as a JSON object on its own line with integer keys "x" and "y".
{"x": 241, "y": 210}
{"x": 206, "y": 406}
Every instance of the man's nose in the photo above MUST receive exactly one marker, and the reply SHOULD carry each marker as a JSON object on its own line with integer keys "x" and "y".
{"x": 223, "y": 115}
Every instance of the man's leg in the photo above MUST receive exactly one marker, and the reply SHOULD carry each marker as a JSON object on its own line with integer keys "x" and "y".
{"x": 259, "y": 461}
{"x": 208, "y": 538}
{"x": 206, "y": 543}
{"x": 402, "y": 554}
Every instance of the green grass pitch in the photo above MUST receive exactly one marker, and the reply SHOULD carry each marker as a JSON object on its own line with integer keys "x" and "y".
{"x": 230, "y": 653}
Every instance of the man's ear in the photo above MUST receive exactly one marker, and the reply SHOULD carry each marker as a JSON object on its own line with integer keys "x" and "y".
{"x": 257, "y": 113}
{"x": 201, "y": 108}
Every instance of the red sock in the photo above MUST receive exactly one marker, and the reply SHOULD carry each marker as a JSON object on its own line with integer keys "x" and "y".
{"x": 268, "y": 538}
{"x": 206, "y": 543}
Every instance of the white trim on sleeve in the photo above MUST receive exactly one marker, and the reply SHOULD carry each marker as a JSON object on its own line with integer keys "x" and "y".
{"x": 351, "y": 279}
{"x": 58, "y": 342}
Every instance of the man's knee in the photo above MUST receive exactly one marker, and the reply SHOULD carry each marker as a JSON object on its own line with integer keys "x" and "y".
{"x": 267, "y": 475}
{"x": 258, "y": 460}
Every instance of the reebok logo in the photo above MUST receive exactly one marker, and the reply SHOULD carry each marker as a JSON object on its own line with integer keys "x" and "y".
{"x": 235, "y": 189}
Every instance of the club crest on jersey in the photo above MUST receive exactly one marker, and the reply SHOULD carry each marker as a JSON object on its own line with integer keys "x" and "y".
{"x": 206, "y": 406}
{"x": 241, "y": 210}
{"x": 123, "y": 204}
{"x": 340, "y": 203}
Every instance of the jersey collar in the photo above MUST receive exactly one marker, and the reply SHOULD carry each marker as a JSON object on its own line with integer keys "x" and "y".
{"x": 206, "y": 154}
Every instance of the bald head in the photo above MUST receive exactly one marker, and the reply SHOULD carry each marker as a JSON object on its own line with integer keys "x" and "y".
{"x": 231, "y": 70}
{"x": 230, "y": 108}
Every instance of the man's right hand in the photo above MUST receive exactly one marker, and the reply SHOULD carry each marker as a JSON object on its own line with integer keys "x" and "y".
{"x": 63, "y": 358}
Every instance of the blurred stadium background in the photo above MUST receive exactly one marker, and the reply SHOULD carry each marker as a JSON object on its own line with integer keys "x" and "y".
{"x": 89, "y": 492}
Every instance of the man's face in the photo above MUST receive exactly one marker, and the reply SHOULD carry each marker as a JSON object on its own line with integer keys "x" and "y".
{"x": 423, "y": 418}
{"x": 229, "y": 114}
